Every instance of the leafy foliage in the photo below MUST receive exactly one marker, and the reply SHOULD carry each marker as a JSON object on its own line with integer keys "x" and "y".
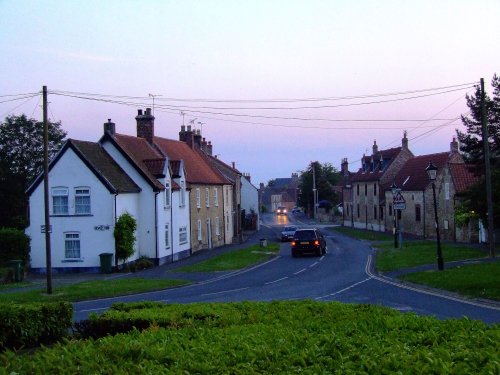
{"x": 471, "y": 144}
{"x": 124, "y": 236}
{"x": 14, "y": 244}
{"x": 271, "y": 338}
{"x": 21, "y": 160}
{"x": 29, "y": 325}
{"x": 326, "y": 177}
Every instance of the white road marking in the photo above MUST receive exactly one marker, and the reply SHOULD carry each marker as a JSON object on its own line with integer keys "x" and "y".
{"x": 428, "y": 292}
{"x": 302, "y": 270}
{"x": 276, "y": 281}
{"x": 345, "y": 289}
{"x": 225, "y": 291}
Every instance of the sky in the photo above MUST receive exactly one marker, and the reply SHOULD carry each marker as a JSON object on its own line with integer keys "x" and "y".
{"x": 274, "y": 85}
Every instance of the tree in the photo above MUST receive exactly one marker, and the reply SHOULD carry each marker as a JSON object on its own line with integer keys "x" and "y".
{"x": 21, "y": 160}
{"x": 471, "y": 144}
{"x": 124, "y": 237}
{"x": 326, "y": 177}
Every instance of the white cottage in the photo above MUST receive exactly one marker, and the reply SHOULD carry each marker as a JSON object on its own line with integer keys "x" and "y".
{"x": 87, "y": 190}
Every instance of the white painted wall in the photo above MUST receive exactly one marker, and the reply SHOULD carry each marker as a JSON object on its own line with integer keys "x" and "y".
{"x": 227, "y": 220}
{"x": 71, "y": 172}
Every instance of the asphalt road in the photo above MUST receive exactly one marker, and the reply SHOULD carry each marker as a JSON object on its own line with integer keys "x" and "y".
{"x": 345, "y": 274}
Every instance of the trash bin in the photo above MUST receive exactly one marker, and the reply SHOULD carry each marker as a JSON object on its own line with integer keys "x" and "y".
{"x": 106, "y": 262}
{"x": 16, "y": 267}
{"x": 263, "y": 242}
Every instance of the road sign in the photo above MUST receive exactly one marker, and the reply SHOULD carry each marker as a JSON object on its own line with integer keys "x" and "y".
{"x": 399, "y": 201}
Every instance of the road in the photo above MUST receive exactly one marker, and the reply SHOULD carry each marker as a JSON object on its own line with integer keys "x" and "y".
{"x": 345, "y": 274}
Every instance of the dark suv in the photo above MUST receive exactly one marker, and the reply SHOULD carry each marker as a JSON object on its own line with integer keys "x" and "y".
{"x": 308, "y": 241}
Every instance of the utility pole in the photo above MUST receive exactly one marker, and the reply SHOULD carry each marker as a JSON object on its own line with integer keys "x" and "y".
{"x": 48, "y": 256}
{"x": 487, "y": 171}
{"x": 315, "y": 197}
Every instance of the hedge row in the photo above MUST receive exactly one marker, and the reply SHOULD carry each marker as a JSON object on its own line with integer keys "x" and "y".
{"x": 14, "y": 244}
{"x": 33, "y": 324}
{"x": 269, "y": 338}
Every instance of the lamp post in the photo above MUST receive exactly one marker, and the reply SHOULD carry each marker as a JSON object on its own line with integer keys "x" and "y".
{"x": 432, "y": 173}
{"x": 395, "y": 190}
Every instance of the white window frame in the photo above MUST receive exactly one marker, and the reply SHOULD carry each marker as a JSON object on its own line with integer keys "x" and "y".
{"x": 166, "y": 196}
{"x": 207, "y": 197}
{"x": 447, "y": 190}
{"x": 217, "y": 226}
{"x": 72, "y": 245}
{"x": 57, "y": 192}
{"x": 216, "y": 198}
{"x": 198, "y": 198}
{"x": 183, "y": 238}
{"x": 81, "y": 208}
{"x": 198, "y": 225}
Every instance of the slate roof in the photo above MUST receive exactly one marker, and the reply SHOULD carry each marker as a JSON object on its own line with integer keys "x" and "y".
{"x": 198, "y": 169}
{"x": 99, "y": 162}
{"x": 377, "y": 169}
{"x": 412, "y": 176}
{"x": 463, "y": 176}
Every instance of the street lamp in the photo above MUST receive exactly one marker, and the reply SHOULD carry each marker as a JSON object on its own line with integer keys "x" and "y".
{"x": 395, "y": 190}
{"x": 432, "y": 172}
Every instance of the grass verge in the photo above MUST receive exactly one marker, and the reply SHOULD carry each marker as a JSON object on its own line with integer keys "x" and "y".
{"x": 91, "y": 289}
{"x": 234, "y": 260}
{"x": 367, "y": 235}
{"x": 473, "y": 280}
{"x": 417, "y": 253}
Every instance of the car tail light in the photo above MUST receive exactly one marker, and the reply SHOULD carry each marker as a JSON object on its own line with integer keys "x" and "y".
{"x": 293, "y": 243}
{"x": 316, "y": 243}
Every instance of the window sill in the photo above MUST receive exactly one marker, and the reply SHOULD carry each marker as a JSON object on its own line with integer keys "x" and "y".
{"x": 72, "y": 261}
{"x": 71, "y": 215}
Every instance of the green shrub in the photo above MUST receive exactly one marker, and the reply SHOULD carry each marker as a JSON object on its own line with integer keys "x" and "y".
{"x": 272, "y": 338}
{"x": 124, "y": 236}
{"x": 143, "y": 263}
{"x": 14, "y": 244}
{"x": 32, "y": 324}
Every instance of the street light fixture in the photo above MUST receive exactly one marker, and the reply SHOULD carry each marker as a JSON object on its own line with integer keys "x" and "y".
{"x": 432, "y": 173}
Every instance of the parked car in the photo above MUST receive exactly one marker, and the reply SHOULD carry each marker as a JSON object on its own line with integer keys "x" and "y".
{"x": 287, "y": 233}
{"x": 281, "y": 211}
{"x": 308, "y": 241}
{"x": 296, "y": 210}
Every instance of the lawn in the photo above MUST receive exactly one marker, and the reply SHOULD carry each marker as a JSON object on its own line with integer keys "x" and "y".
{"x": 473, "y": 280}
{"x": 416, "y": 253}
{"x": 91, "y": 290}
{"x": 234, "y": 260}
{"x": 361, "y": 234}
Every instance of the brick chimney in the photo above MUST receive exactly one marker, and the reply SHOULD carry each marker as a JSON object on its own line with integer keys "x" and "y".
{"x": 404, "y": 141}
{"x": 209, "y": 148}
{"x": 186, "y": 135}
{"x": 344, "y": 167}
{"x": 197, "y": 139}
{"x": 145, "y": 125}
{"x": 109, "y": 127}
{"x": 454, "y": 146}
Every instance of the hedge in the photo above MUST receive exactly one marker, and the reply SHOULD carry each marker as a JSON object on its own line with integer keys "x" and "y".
{"x": 32, "y": 324}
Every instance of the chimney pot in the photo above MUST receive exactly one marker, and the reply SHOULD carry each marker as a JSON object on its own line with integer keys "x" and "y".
{"x": 109, "y": 127}
{"x": 139, "y": 112}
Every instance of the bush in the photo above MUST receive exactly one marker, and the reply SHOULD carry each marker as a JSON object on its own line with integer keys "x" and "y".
{"x": 29, "y": 325}
{"x": 124, "y": 236}
{"x": 14, "y": 244}
{"x": 143, "y": 263}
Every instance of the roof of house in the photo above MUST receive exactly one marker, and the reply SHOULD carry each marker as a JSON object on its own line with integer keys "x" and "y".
{"x": 413, "y": 176}
{"x": 99, "y": 162}
{"x": 198, "y": 169}
{"x": 230, "y": 173}
{"x": 378, "y": 170}
{"x": 149, "y": 162}
{"x": 463, "y": 176}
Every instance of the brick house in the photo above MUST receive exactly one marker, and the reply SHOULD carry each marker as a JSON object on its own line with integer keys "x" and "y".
{"x": 418, "y": 217}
